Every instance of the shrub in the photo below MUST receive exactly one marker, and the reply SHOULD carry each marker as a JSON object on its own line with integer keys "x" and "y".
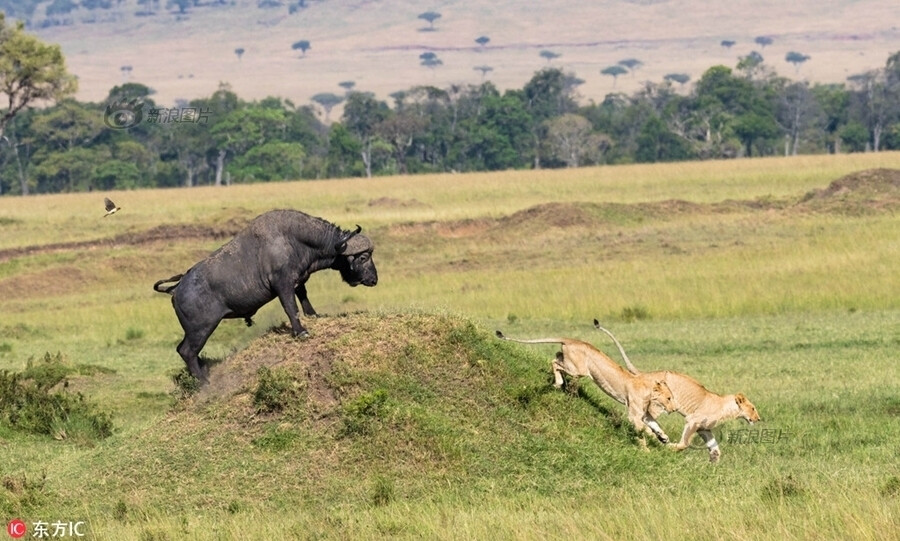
{"x": 361, "y": 413}
{"x": 276, "y": 390}
{"x": 27, "y": 403}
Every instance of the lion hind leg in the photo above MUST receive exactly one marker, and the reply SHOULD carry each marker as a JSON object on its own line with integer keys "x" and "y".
{"x": 686, "y": 435}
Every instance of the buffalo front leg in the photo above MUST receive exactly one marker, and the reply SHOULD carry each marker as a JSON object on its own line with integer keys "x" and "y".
{"x": 308, "y": 310}
{"x": 289, "y": 303}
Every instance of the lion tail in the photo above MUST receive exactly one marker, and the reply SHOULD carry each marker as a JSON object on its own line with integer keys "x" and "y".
{"x": 631, "y": 367}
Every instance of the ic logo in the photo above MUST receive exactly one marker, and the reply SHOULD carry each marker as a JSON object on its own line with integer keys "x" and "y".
{"x": 16, "y": 528}
{"x": 121, "y": 115}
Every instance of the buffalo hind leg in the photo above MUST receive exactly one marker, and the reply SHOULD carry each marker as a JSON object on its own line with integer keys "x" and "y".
{"x": 189, "y": 349}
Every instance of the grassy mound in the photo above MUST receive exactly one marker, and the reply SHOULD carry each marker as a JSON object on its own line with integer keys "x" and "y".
{"x": 865, "y": 192}
{"x": 373, "y": 408}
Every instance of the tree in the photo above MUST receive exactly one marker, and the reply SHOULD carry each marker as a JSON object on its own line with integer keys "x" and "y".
{"x": 762, "y": 41}
{"x": 680, "y": 78}
{"x": 430, "y": 60}
{"x": 546, "y": 95}
{"x": 614, "y": 72}
{"x": 727, "y": 43}
{"x": 30, "y": 71}
{"x": 571, "y": 140}
{"x": 484, "y": 70}
{"x": 347, "y": 85}
{"x": 273, "y": 160}
{"x": 362, "y": 113}
{"x": 302, "y": 45}
{"x": 549, "y": 55}
{"x": 430, "y": 16}
{"x": 750, "y": 64}
{"x": 796, "y": 59}
{"x": 243, "y": 129}
{"x": 795, "y": 111}
{"x": 631, "y": 63}
{"x": 482, "y": 40}
{"x": 656, "y": 143}
{"x": 398, "y": 131}
{"x": 327, "y": 101}
{"x": 239, "y": 52}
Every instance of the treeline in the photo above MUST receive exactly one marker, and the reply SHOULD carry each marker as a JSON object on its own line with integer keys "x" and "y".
{"x": 130, "y": 142}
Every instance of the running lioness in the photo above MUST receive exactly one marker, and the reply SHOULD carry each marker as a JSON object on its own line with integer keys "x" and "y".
{"x": 646, "y": 398}
{"x": 702, "y": 409}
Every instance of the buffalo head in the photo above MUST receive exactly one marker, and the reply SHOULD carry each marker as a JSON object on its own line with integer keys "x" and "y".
{"x": 354, "y": 260}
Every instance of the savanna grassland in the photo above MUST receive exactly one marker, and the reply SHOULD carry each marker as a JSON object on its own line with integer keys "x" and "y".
{"x": 402, "y": 416}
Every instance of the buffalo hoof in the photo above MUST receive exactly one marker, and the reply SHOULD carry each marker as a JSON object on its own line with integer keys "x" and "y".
{"x": 302, "y": 335}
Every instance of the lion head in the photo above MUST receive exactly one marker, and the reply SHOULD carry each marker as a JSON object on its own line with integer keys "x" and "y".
{"x": 748, "y": 410}
{"x": 661, "y": 399}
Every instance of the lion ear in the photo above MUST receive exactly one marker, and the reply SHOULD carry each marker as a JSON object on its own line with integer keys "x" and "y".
{"x": 740, "y": 398}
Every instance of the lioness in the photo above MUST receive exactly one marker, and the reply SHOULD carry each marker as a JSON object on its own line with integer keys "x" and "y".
{"x": 644, "y": 397}
{"x": 702, "y": 409}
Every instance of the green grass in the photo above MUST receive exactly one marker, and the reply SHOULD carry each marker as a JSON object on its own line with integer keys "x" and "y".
{"x": 404, "y": 417}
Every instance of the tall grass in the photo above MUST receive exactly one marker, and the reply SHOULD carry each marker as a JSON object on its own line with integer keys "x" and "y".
{"x": 796, "y": 309}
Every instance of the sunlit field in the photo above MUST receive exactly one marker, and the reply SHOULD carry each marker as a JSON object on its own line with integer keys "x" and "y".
{"x": 749, "y": 275}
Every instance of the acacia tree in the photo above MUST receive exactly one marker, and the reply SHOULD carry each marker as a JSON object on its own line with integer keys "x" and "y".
{"x": 482, "y": 40}
{"x": 762, "y": 41}
{"x": 631, "y": 64}
{"x": 484, "y": 70}
{"x": 614, "y": 72}
{"x": 302, "y": 45}
{"x": 239, "y": 52}
{"x": 796, "y": 59}
{"x": 680, "y": 78}
{"x": 327, "y": 101}
{"x": 430, "y": 16}
{"x": 549, "y": 55}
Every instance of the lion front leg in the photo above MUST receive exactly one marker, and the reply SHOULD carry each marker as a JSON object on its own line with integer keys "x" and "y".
{"x": 657, "y": 430}
{"x": 711, "y": 444}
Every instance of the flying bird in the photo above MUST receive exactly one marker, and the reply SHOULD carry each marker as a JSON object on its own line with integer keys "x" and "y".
{"x": 111, "y": 207}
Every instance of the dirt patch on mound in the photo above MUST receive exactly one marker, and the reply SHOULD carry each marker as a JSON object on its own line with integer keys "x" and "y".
{"x": 865, "y": 192}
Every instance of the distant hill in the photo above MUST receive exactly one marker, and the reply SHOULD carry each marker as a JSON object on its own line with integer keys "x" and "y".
{"x": 376, "y": 44}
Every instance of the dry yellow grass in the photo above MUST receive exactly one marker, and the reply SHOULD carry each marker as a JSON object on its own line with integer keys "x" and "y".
{"x": 376, "y": 44}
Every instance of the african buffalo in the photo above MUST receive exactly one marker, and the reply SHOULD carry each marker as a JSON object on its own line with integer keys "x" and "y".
{"x": 272, "y": 257}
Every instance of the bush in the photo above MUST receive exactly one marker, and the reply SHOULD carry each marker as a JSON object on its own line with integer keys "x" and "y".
{"x": 27, "y": 403}
{"x": 276, "y": 390}
{"x": 361, "y": 413}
